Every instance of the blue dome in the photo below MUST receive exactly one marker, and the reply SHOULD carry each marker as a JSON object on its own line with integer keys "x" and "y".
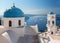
{"x": 13, "y": 12}
{"x": 51, "y": 12}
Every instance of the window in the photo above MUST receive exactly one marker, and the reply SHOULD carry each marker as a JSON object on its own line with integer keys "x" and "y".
{"x": 19, "y": 22}
{"x": 53, "y": 22}
{"x": 51, "y": 32}
{"x": 52, "y": 16}
{"x": 10, "y": 23}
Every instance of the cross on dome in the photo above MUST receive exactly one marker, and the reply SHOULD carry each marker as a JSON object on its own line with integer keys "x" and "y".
{"x": 13, "y": 4}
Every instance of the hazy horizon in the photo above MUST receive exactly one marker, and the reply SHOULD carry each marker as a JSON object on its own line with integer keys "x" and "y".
{"x": 32, "y": 6}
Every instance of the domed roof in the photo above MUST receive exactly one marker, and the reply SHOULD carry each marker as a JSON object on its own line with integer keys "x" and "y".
{"x": 51, "y": 12}
{"x": 13, "y": 12}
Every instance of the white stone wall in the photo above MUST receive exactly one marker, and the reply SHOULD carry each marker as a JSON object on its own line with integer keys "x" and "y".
{"x": 35, "y": 28}
{"x": 4, "y": 40}
{"x": 5, "y": 22}
{"x": 3, "y": 29}
{"x": 15, "y": 34}
{"x": 19, "y": 31}
{"x": 31, "y": 30}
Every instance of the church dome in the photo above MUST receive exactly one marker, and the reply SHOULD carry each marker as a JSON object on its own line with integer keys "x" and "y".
{"x": 13, "y": 12}
{"x": 51, "y": 12}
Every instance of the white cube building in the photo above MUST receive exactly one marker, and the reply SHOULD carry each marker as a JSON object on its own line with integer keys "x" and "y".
{"x": 14, "y": 28}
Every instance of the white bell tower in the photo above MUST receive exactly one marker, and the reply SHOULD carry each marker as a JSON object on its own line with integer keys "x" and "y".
{"x": 51, "y": 22}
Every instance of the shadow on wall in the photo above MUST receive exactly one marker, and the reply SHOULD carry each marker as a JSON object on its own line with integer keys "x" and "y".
{"x": 12, "y": 36}
{"x": 30, "y": 31}
{"x": 0, "y": 21}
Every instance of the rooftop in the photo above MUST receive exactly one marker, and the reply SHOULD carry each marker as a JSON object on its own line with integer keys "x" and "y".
{"x": 13, "y": 12}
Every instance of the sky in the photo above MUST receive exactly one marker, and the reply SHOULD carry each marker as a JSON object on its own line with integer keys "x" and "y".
{"x": 31, "y": 6}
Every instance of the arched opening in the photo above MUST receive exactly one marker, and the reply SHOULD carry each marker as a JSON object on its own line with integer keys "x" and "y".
{"x": 51, "y": 32}
{"x": 10, "y": 23}
{"x": 19, "y": 22}
{"x": 53, "y": 22}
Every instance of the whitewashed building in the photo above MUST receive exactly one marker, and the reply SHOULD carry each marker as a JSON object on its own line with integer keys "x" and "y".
{"x": 14, "y": 28}
{"x": 51, "y": 22}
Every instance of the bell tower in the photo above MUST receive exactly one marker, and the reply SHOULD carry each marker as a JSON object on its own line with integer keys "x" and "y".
{"x": 51, "y": 22}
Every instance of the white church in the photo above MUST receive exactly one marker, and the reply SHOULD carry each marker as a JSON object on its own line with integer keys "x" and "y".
{"x": 53, "y": 25}
{"x": 51, "y": 22}
{"x": 14, "y": 28}
{"x": 52, "y": 35}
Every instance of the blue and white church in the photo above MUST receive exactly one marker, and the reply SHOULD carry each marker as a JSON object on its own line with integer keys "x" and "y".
{"x": 53, "y": 23}
{"x": 14, "y": 28}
